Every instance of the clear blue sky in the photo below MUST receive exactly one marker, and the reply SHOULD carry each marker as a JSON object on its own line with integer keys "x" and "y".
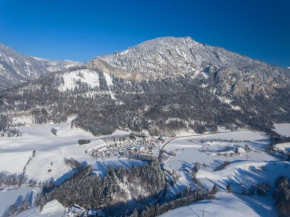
{"x": 80, "y": 30}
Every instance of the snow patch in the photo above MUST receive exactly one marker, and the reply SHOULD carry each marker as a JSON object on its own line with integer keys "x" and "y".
{"x": 109, "y": 82}
{"x": 85, "y": 76}
{"x": 283, "y": 146}
{"x": 11, "y": 60}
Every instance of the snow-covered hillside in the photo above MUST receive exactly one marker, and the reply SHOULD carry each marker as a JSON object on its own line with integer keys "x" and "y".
{"x": 73, "y": 80}
{"x": 16, "y": 68}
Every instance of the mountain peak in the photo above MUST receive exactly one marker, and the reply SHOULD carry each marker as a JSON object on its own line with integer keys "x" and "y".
{"x": 174, "y": 56}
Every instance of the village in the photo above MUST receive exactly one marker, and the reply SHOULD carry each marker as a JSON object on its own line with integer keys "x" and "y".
{"x": 146, "y": 148}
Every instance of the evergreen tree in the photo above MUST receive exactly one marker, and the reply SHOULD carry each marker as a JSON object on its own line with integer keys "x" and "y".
{"x": 195, "y": 169}
{"x": 215, "y": 189}
{"x": 229, "y": 187}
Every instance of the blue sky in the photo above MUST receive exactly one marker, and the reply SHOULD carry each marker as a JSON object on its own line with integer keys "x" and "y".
{"x": 80, "y": 30}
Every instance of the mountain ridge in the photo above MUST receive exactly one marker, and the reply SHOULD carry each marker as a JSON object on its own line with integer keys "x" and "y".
{"x": 16, "y": 68}
{"x": 202, "y": 95}
{"x": 170, "y": 56}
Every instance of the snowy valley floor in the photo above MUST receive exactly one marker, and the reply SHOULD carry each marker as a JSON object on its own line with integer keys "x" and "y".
{"x": 208, "y": 151}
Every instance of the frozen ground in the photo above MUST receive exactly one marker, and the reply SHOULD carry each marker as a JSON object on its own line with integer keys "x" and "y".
{"x": 283, "y": 129}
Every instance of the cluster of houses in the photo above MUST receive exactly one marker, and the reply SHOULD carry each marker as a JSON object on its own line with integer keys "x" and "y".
{"x": 77, "y": 211}
{"x": 149, "y": 146}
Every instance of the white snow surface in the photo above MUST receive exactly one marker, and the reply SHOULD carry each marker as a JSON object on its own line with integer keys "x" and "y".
{"x": 51, "y": 151}
{"x": 108, "y": 79}
{"x": 283, "y": 129}
{"x": 243, "y": 171}
{"x": 51, "y": 209}
{"x": 283, "y": 146}
{"x": 9, "y": 197}
{"x": 225, "y": 205}
{"x": 86, "y": 76}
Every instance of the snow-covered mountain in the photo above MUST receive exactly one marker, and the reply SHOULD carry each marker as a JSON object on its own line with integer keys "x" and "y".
{"x": 170, "y": 56}
{"x": 162, "y": 86}
{"x": 16, "y": 68}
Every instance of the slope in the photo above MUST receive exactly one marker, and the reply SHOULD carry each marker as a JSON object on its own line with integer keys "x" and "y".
{"x": 16, "y": 68}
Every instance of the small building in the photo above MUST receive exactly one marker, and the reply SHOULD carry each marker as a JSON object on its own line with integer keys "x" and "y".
{"x": 160, "y": 138}
{"x": 75, "y": 211}
{"x": 94, "y": 213}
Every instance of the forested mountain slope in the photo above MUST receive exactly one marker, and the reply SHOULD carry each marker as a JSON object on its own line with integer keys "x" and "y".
{"x": 160, "y": 86}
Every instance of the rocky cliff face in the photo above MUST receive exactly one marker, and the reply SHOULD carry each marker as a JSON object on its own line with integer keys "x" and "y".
{"x": 16, "y": 68}
{"x": 226, "y": 71}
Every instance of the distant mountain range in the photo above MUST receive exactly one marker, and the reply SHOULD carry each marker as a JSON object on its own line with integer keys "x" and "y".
{"x": 159, "y": 86}
{"x": 16, "y": 68}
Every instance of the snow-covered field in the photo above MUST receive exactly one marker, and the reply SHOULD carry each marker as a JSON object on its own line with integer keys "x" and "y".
{"x": 283, "y": 129}
{"x": 50, "y": 152}
{"x": 227, "y": 204}
{"x": 208, "y": 151}
{"x": 244, "y": 170}
{"x": 48, "y": 162}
